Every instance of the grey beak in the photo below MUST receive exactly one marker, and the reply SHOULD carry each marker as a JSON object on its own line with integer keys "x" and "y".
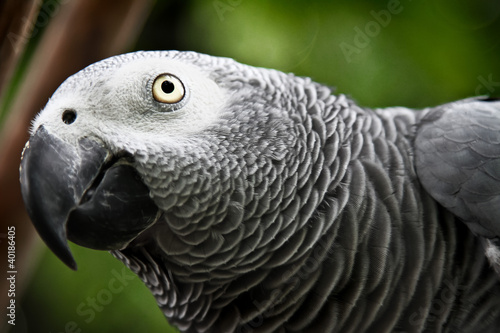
{"x": 83, "y": 194}
{"x": 54, "y": 175}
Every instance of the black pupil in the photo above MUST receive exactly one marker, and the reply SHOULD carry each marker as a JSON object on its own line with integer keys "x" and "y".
{"x": 167, "y": 87}
{"x": 69, "y": 116}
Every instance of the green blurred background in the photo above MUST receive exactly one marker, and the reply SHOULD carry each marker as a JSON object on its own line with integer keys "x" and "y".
{"x": 414, "y": 53}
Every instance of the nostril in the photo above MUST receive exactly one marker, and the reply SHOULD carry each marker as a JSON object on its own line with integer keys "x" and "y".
{"x": 69, "y": 116}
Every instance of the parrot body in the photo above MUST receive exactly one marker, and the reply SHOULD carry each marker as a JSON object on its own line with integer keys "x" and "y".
{"x": 249, "y": 200}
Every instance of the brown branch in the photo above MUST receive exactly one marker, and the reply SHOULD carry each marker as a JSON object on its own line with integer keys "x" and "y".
{"x": 16, "y": 23}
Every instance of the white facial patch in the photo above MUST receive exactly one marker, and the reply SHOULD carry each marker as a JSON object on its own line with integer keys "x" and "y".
{"x": 117, "y": 104}
{"x": 132, "y": 98}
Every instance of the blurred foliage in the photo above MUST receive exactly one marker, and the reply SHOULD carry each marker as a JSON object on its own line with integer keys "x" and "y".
{"x": 422, "y": 53}
{"x": 428, "y": 52}
{"x": 102, "y": 296}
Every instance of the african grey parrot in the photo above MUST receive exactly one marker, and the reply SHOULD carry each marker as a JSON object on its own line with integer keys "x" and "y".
{"x": 249, "y": 200}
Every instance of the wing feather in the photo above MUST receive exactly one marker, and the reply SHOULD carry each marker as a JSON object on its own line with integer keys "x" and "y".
{"x": 457, "y": 156}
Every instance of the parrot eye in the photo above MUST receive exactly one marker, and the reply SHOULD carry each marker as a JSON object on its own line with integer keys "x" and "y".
{"x": 69, "y": 116}
{"x": 168, "y": 89}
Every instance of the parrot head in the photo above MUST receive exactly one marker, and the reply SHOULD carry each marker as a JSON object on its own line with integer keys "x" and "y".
{"x": 175, "y": 148}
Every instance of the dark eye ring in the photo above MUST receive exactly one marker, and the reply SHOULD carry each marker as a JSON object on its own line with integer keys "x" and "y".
{"x": 69, "y": 116}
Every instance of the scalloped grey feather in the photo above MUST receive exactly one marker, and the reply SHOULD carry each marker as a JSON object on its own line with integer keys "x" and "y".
{"x": 295, "y": 210}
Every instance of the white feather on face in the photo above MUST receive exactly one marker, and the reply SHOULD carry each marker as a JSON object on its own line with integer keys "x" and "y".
{"x": 116, "y": 103}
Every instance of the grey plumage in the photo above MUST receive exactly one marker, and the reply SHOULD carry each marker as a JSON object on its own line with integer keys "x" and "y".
{"x": 285, "y": 208}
